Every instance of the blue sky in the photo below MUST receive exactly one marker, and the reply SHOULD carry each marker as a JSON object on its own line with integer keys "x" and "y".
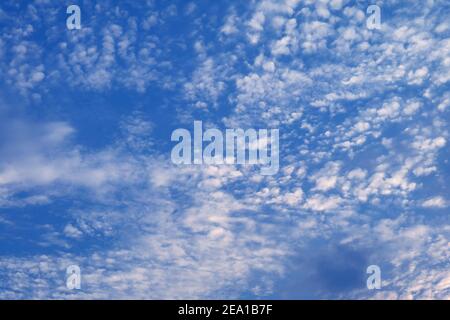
{"x": 86, "y": 176}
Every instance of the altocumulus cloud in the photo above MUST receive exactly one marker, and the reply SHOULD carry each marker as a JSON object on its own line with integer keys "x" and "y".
{"x": 85, "y": 170}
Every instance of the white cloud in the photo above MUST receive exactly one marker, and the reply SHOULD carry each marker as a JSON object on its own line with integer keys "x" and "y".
{"x": 321, "y": 203}
{"x": 435, "y": 202}
{"x": 71, "y": 231}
